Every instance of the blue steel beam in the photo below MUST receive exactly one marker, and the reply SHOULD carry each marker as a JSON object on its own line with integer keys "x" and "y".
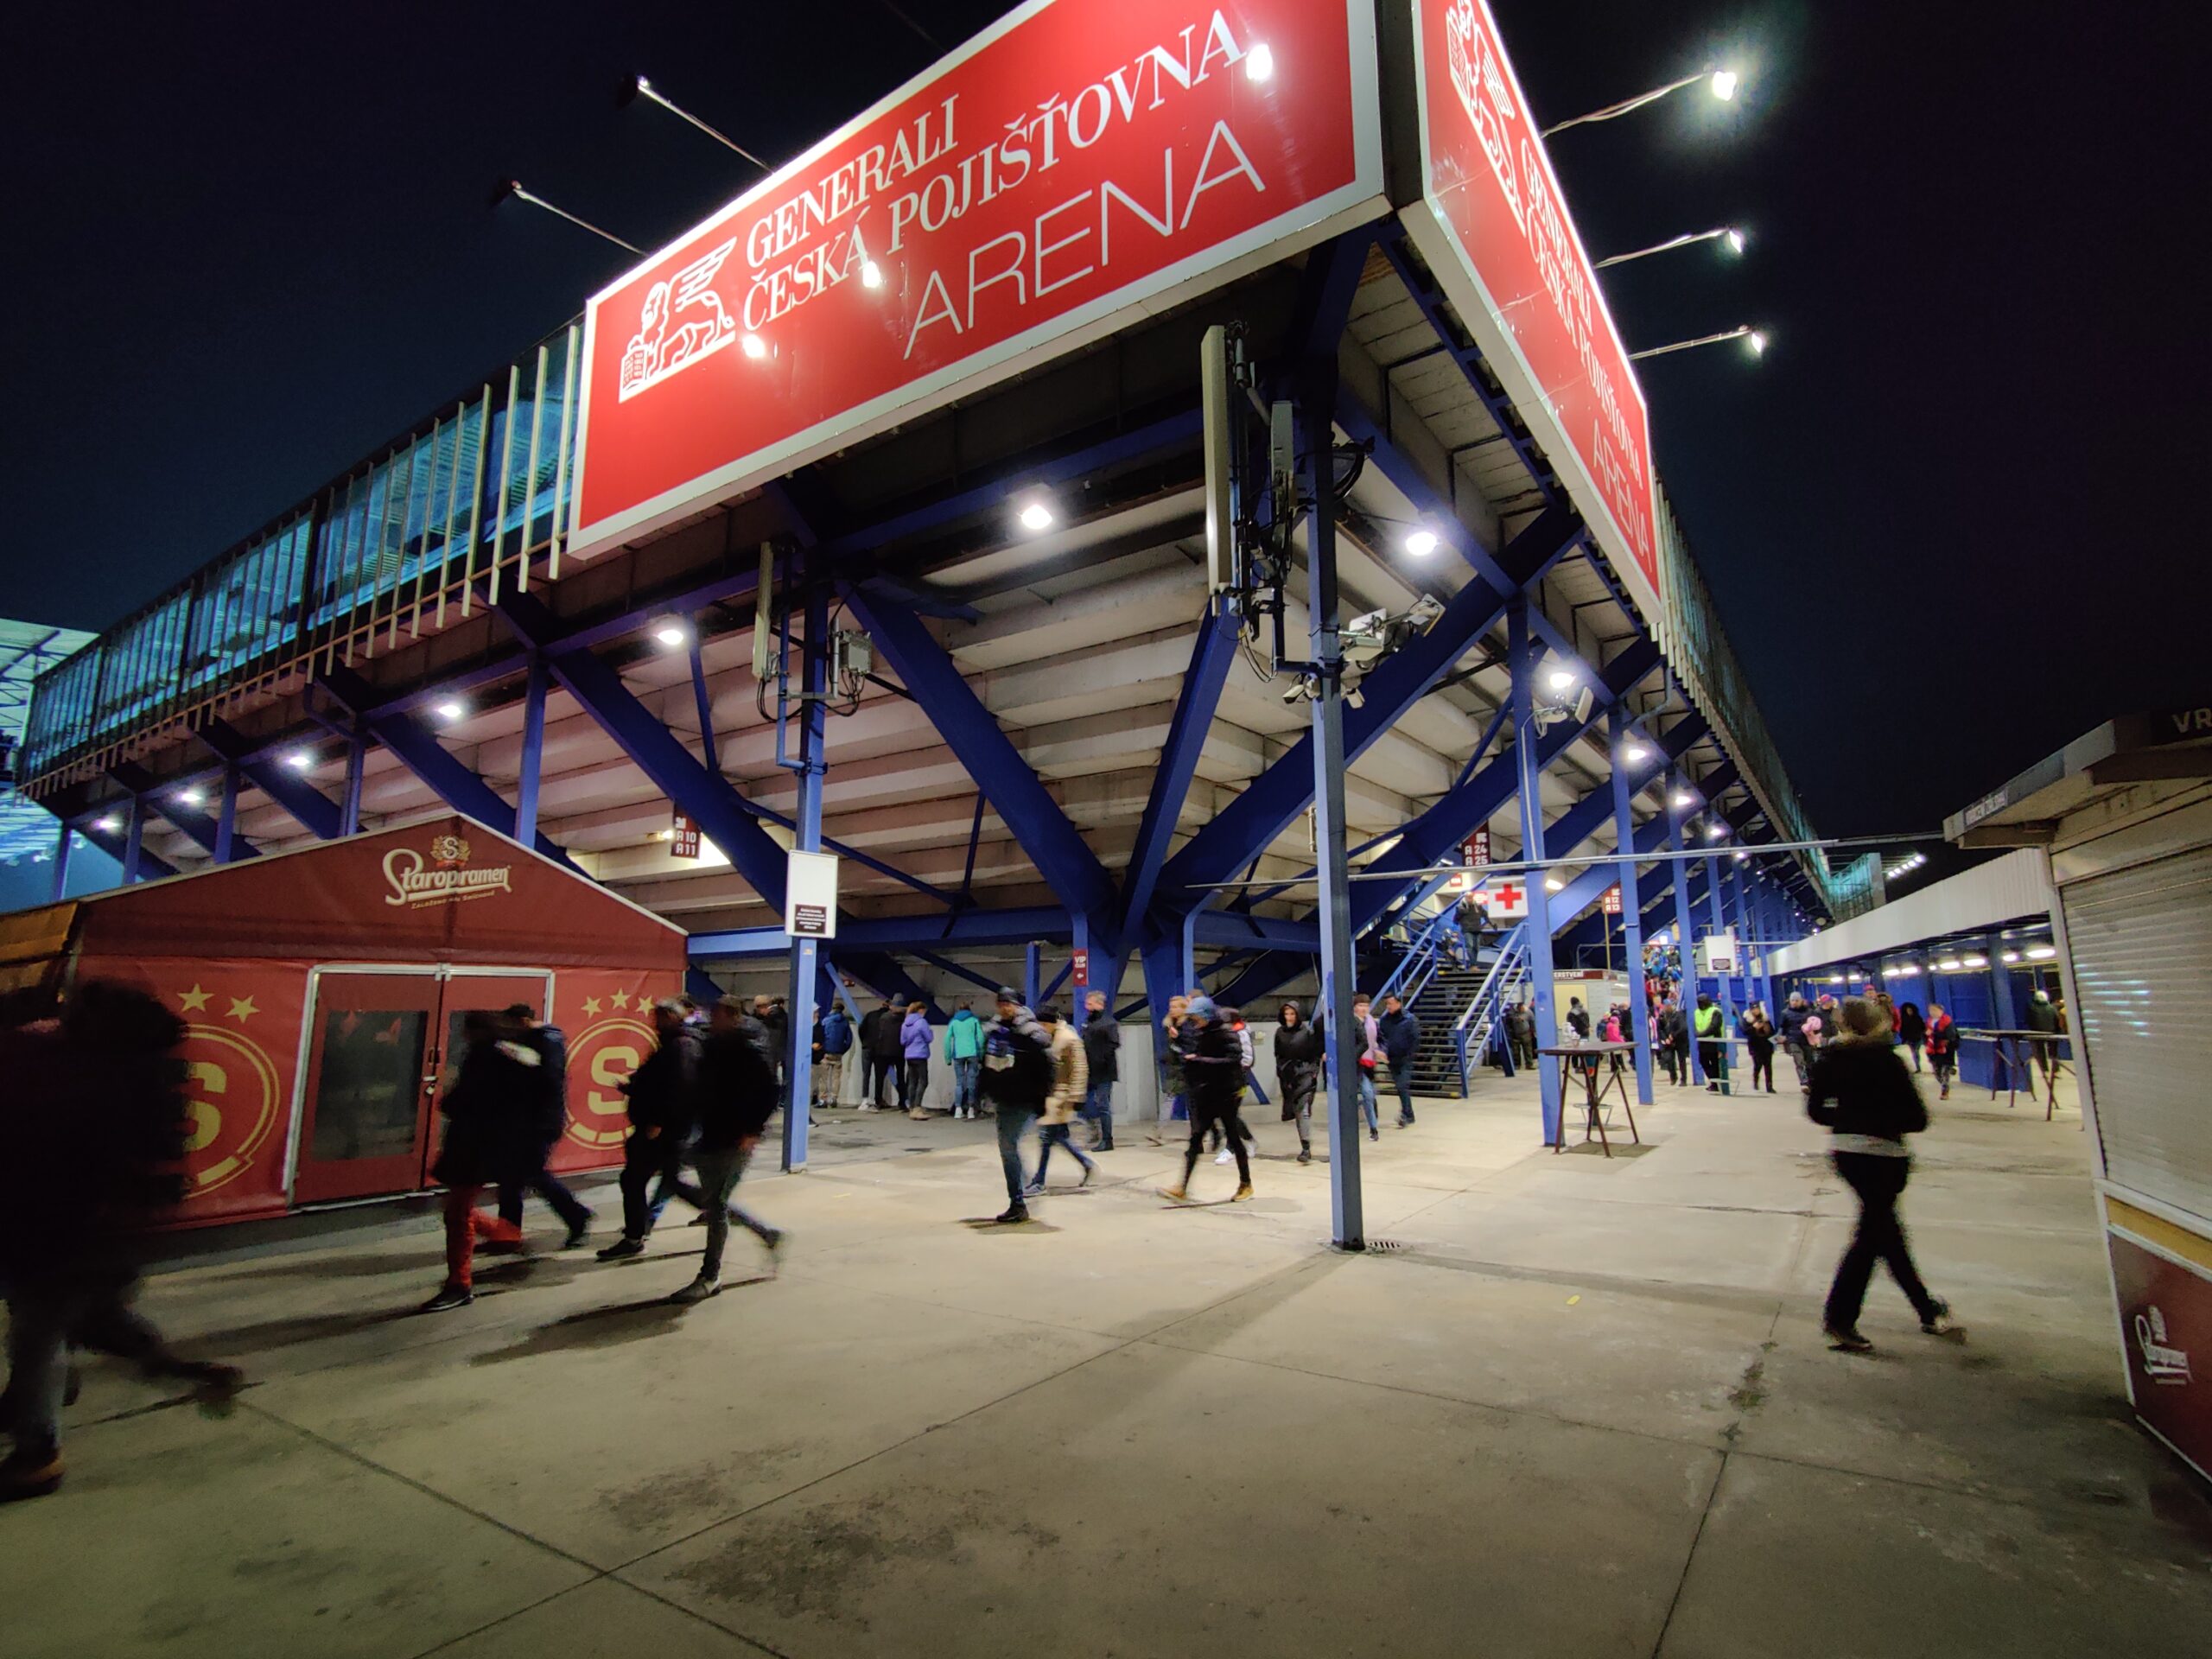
{"x": 1526, "y": 653}
{"x": 1272, "y": 801}
{"x": 115, "y": 844}
{"x": 897, "y": 933}
{"x": 1588, "y": 888}
{"x": 1059, "y": 852}
{"x": 1223, "y": 927}
{"x": 196, "y": 824}
{"x": 706, "y": 797}
{"x": 1210, "y": 656}
{"x": 316, "y": 813}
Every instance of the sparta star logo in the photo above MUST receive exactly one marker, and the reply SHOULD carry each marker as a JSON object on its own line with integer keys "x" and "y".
{"x": 599, "y": 1062}
{"x": 230, "y": 1099}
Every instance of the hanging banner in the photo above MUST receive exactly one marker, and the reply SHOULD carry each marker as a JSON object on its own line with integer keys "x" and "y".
{"x": 1073, "y": 166}
{"x": 1493, "y": 225}
{"x": 682, "y": 836}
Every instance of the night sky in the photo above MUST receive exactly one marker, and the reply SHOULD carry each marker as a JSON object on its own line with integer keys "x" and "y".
{"x": 1946, "y": 519}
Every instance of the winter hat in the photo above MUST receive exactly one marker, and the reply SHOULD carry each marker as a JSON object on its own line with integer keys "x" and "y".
{"x": 1201, "y": 1007}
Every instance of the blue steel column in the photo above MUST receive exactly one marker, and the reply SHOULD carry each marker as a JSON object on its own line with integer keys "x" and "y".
{"x": 533, "y": 752}
{"x": 1525, "y": 652}
{"x": 349, "y": 810}
{"x": 61, "y": 862}
{"x": 1032, "y": 972}
{"x": 2004, "y": 1012}
{"x": 1639, "y": 1004}
{"x": 134, "y": 842}
{"x": 1685, "y": 932}
{"x": 1317, "y": 435}
{"x": 226, "y": 817}
{"x": 806, "y": 837}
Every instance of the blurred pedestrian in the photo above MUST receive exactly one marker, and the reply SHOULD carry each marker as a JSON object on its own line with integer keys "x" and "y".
{"x": 1063, "y": 1099}
{"x": 547, "y": 1127}
{"x": 1791, "y": 1029}
{"x": 663, "y": 1099}
{"x": 1942, "y": 1047}
{"x": 1399, "y": 1032}
{"x": 1711, "y": 1042}
{"x": 1213, "y": 1067}
{"x": 1367, "y": 1042}
{"x": 1018, "y": 1076}
{"x": 494, "y": 1112}
{"x": 1912, "y": 1030}
{"x": 1862, "y": 1094}
{"x": 735, "y": 1094}
{"x": 1101, "y": 1053}
{"x": 1298, "y": 1072}
{"x": 1757, "y": 1031}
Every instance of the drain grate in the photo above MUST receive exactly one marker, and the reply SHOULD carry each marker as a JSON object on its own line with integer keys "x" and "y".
{"x": 1385, "y": 1245}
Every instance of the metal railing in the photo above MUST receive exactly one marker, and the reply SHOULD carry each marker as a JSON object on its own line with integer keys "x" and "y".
{"x": 473, "y": 501}
{"x": 1477, "y": 1028}
{"x": 1424, "y": 954}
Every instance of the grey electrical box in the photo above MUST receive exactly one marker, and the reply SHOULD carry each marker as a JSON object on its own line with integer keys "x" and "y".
{"x": 851, "y": 657}
{"x": 1217, "y": 387}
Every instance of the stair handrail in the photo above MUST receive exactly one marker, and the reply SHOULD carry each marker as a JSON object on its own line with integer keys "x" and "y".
{"x": 1506, "y": 972}
{"x": 1417, "y": 966}
{"x": 1511, "y": 950}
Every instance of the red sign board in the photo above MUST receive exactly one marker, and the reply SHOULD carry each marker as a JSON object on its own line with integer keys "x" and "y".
{"x": 1494, "y": 226}
{"x": 682, "y": 836}
{"x": 2165, "y": 1321}
{"x": 1611, "y": 904}
{"x": 1081, "y": 970}
{"x": 1075, "y": 164}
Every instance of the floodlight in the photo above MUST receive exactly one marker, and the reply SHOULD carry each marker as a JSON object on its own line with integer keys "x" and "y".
{"x": 871, "y": 274}
{"x": 1559, "y": 678}
{"x": 1683, "y": 797}
{"x": 451, "y": 710}
{"x": 109, "y": 824}
{"x": 671, "y": 633}
{"x": 299, "y": 760}
{"x": 1724, "y": 84}
{"x": 1735, "y": 241}
{"x": 1635, "y": 754}
{"x": 1037, "y": 516}
{"x": 190, "y": 796}
{"x": 1421, "y": 543}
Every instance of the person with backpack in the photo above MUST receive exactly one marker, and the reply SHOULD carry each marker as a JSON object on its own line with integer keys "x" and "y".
{"x": 1298, "y": 1071}
{"x": 963, "y": 1051}
{"x": 736, "y": 1096}
{"x": 1942, "y": 1047}
{"x": 1862, "y": 1094}
{"x": 1018, "y": 1076}
{"x": 833, "y": 1041}
{"x": 1215, "y": 1071}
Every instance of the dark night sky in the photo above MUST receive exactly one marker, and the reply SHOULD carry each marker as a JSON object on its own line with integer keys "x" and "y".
{"x": 1945, "y": 519}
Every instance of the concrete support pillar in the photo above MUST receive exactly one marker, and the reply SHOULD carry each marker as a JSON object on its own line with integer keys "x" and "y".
{"x": 1033, "y": 969}
{"x": 1525, "y": 651}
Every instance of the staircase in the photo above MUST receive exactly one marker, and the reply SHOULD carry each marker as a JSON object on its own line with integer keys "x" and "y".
{"x": 1449, "y": 989}
{"x": 1481, "y": 1023}
{"x": 1444, "y": 992}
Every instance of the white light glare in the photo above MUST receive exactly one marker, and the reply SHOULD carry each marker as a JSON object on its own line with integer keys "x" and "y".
{"x": 1949, "y": 965}
{"x": 1975, "y": 961}
{"x": 1683, "y": 797}
{"x": 1553, "y": 884}
{"x": 1635, "y": 754}
{"x": 1724, "y": 84}
{"x": 109, "y": 824}
{"x": 2011, "y": 955}
{"x": 1559, "y": 678}
{"x": 2041, "y": 952}
{"x": 1421, "y": 543}
{"x": 871, "y": 275}
{"x": 190, "y": 796}
{"x": 1259, "y": 62}
{"x": 671, "y": 634}
{"x": 752, "y": 345}
{"x": 1756, "y": 340}
{"x": 1037, "y": 516}
{"x": 451, "y": 710}
{"x": 1742, "y": 856}
{"x": 299, "y": 760}
{"x": 1715, "y": 831}
{"x": 1735, "y": 241}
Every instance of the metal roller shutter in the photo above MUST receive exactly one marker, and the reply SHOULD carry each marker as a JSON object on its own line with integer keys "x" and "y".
{"x": 2142, "y": 951}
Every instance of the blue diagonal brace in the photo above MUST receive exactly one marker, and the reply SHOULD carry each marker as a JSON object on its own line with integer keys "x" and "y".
{"x": 417, "y": 747}
{"x": 113, "y": 842}
{"x": 706, "y": 797}
{"x": 1272, "y": 802}
{"x": 316, "y": 813}
{"x": 1210, "y": 656}
{"x": 193, "y": 823}
{"x": 1034, "y": 818}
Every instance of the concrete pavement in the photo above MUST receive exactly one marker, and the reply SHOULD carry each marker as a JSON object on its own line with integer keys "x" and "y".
{"x": 1574, "y": 1406}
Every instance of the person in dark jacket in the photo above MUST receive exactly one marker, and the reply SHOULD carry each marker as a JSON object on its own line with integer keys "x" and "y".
{"x": 872, "y": 1024}
{"x": 93, "y": 1119}
{"x": 1213, "y": 1072}
{"x": 1862, "y": 1094}
{"x": 1942, "y": 1047}
{"x": 1757, "y": 1032}
{"x": 887, "y": 1053}
{"x": 1298, "y": 1071}
{"x": 1791, "y": 1029}
{"x": 1102, "y": 1051}
{"x": 662, "y": 1094}
{"x": 552, "y": 1046}
{"x": 1521, "y": 1034}
{"x": 736, "y": 1096}
{"x": 2041, "y": 1017}
{"x": 1399, "y": 1030}
{"x": 1912, "y": 1030}
{"x": 1712, "y": 1041}
{"x": 495, "y": 1113}
{"x": 1017, "y": 1076}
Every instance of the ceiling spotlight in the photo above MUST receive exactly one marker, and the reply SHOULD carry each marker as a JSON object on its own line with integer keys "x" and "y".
{"x": 190, "y": 796}
{"x": 1715, "y": 829}
{"x": 1724, "y": 84}
{"x": 1756, "y": 340}
{"x": 299, "y": 760}
{"x": 752, "y": 345}
{"x": 871, "y": 274}
{"x": 672, "y": 634}
{"x": 1975, "y": 961}
{"x": 1949, "y": 965}
{"x": 1037, "y": 516}
{"x": 1559, "y": 678}
{"x": 1421, "y": 543}
{"x": 1553, "y": 884}
{"x": 110, "y": 823}
{"x": 451, "y": 710}
{"x": 1683, "y": 797}
{"x": 1735, "y": 241}
{"x": 1741, "y": 855}
{"x": 1635, "y": 754}
{"x": 2041, "y": 952}
{"x": 2011, "y": 955}
{"x": 1259, "y": 62}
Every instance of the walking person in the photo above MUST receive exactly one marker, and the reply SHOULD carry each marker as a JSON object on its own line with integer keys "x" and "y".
{"x": 1017, "y": 1076}
{"x": 1942, "y": 1047}
{"x": 1757, "y": 1031}
{"x": 1912, "y": 1030}
{"x": 1791, "y": 1029}
{"x": 1521, "y": 1034}
{"x": 494, "y": 1112}
{"x": 915, "y": 1041}
{"x": 1665, "y": 1018}
{"x": 1399, "y": 1032}
{"x": 1174, "y": 1100}
{"x": 662, "y": 1095}
{"x": 1862, "y": 1094}
{"x": 1298, "y": 1071}
{"x": 1213, "y": 1069}
{"x": 1070, "y": 1085}
{"x": 552, "y": 1119}
{"x": 2042, "y": 1018}
{"x": 1711, "y": 1042}
{"x": 1234, "y": 1018}
{"x": 963, "y": 1051}
{"x": 1101, "y": 1053}
{"x": 1368, "y": 1044}
{"x": 734, "y": 1094}
{"x": 774, "y": 1018}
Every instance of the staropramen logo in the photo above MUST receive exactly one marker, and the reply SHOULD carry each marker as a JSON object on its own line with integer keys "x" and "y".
{"x": 443, "y": 878}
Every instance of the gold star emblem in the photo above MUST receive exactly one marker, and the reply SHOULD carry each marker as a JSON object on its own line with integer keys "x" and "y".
{"x": 591, "y": 1007}
{"x": 621, "y": 999}
{"x": 242, "y": 1009}
{"x": 194, "y": 1000}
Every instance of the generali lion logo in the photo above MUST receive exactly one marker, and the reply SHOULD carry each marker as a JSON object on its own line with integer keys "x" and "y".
{"x": 682, "y": 321}
{"x": 443, "y": 878}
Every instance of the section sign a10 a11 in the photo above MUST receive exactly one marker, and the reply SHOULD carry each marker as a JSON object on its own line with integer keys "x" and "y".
{"x": 1077, "y": 163}
{"x": 1493, "y": 226}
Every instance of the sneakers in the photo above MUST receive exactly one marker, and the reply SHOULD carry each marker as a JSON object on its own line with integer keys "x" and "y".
{"x": 29, "y": 1474}
{"x": 1939, "y": 1322}
{"x": 918, "y": 1115}
{"x": 1849, "y": 1341}
{"x": 1034, "y": 1190}
{"x": 622, "y": 1248}
{"x": 1242, "y": 1193}
{"x": 697, "y": 1291}
{"x": 1306, "y": 1154}
{"x": 1222, "y": 1157}
{"x": 1011, "y": 1214}
{"x": 1089, "y": 1170}
{"x": 1173, "y": 1194}
{"x": 774, "y": 1245}
{"x": 449, "y": 1296}
{"x": 578, "y": 1233}
{"x": 1374, "y": 1134}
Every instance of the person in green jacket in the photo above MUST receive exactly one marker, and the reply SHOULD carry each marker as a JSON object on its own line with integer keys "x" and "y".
{"x": 964, "y": 1047}
{"x": 1710, "y": 1041}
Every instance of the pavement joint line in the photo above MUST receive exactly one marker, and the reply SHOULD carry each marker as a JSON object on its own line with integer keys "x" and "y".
{"x": 1690, "y": 1556}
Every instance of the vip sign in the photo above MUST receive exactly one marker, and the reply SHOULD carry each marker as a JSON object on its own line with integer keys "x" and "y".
{"x": 1074, "y": 166}
{"x": 1492, "y": 225}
